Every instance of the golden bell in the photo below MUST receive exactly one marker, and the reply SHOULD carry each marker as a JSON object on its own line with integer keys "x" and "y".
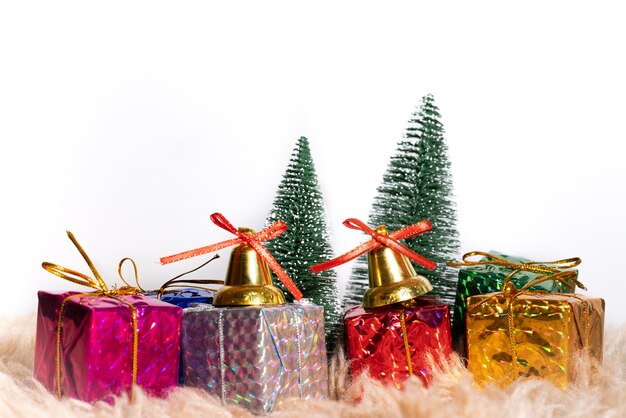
{"x": 392, "y": 278}
{"x": 248, "y": 280}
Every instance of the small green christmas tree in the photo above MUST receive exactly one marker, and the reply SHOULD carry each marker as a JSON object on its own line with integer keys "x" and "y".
{"x": 417, "y": 185}
{"x": 435, "y": 201}
{"x": 299, "y": 203}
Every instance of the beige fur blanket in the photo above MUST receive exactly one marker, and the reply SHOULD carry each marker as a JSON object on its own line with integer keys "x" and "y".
{"x": 452, "y": 395}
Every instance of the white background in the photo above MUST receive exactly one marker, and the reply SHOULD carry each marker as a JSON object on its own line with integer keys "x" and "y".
{"x": 130, "y": 122}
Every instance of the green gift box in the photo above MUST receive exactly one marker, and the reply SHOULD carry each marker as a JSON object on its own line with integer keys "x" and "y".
{"x": 487, "y": 276}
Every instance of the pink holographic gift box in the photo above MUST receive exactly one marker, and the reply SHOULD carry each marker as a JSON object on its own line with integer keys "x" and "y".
{"x": 97, "y": 345}
{"x": 256, "y": 356}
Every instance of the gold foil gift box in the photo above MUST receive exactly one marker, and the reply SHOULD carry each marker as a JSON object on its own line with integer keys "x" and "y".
{"x": 531, "y": 334}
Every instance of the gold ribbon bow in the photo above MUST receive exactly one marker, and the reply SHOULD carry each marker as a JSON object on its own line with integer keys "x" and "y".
{"x": 101, "y": 290}
{"x": 540, "y": 267}
{"x": 174, "y": 283}
{"x": 511, "y": 293}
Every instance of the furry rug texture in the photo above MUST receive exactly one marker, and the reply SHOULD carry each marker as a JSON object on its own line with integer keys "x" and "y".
{"x": 452, "y": 394}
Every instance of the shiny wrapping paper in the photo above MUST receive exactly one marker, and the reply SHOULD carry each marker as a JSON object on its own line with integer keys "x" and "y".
{"x": 185, "y": 297}
{"x": 549, "y": 331}
{"x": 97, "y": 345}
{"x": 256, "y": 356}
{"x": 374, "y": 339}
{"x": 482, "y": 279}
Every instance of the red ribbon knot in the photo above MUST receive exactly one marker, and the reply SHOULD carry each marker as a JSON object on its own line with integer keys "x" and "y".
{"x": 378, "y": 240}
{"x": 254, "y": 240}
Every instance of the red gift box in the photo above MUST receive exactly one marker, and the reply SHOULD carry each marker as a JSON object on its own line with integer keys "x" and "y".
{"x": 397, "y": 341}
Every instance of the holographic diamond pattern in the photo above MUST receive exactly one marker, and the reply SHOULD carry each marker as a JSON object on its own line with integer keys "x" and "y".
{"x": 260, "y": 353}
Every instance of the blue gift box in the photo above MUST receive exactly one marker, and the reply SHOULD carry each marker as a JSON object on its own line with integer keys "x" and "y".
{"x": 185, "y": 297}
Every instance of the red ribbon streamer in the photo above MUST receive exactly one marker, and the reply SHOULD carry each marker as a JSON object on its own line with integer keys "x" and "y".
{"x": 378, "y": 241}
{"x": 253, "y": 240}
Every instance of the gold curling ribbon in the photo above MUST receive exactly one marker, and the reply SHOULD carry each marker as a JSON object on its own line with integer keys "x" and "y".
{"x": 511, "y": 293}
{"x": 174, "y": 283}
{"x": 541, "y": 267}
{"x": 101, "y": 290}
{"x": 405, "y": 337}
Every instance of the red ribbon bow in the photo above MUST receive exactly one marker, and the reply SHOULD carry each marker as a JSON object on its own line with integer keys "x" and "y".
{"x": 378, "y": 241}
{"x": 253, "y": 240}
